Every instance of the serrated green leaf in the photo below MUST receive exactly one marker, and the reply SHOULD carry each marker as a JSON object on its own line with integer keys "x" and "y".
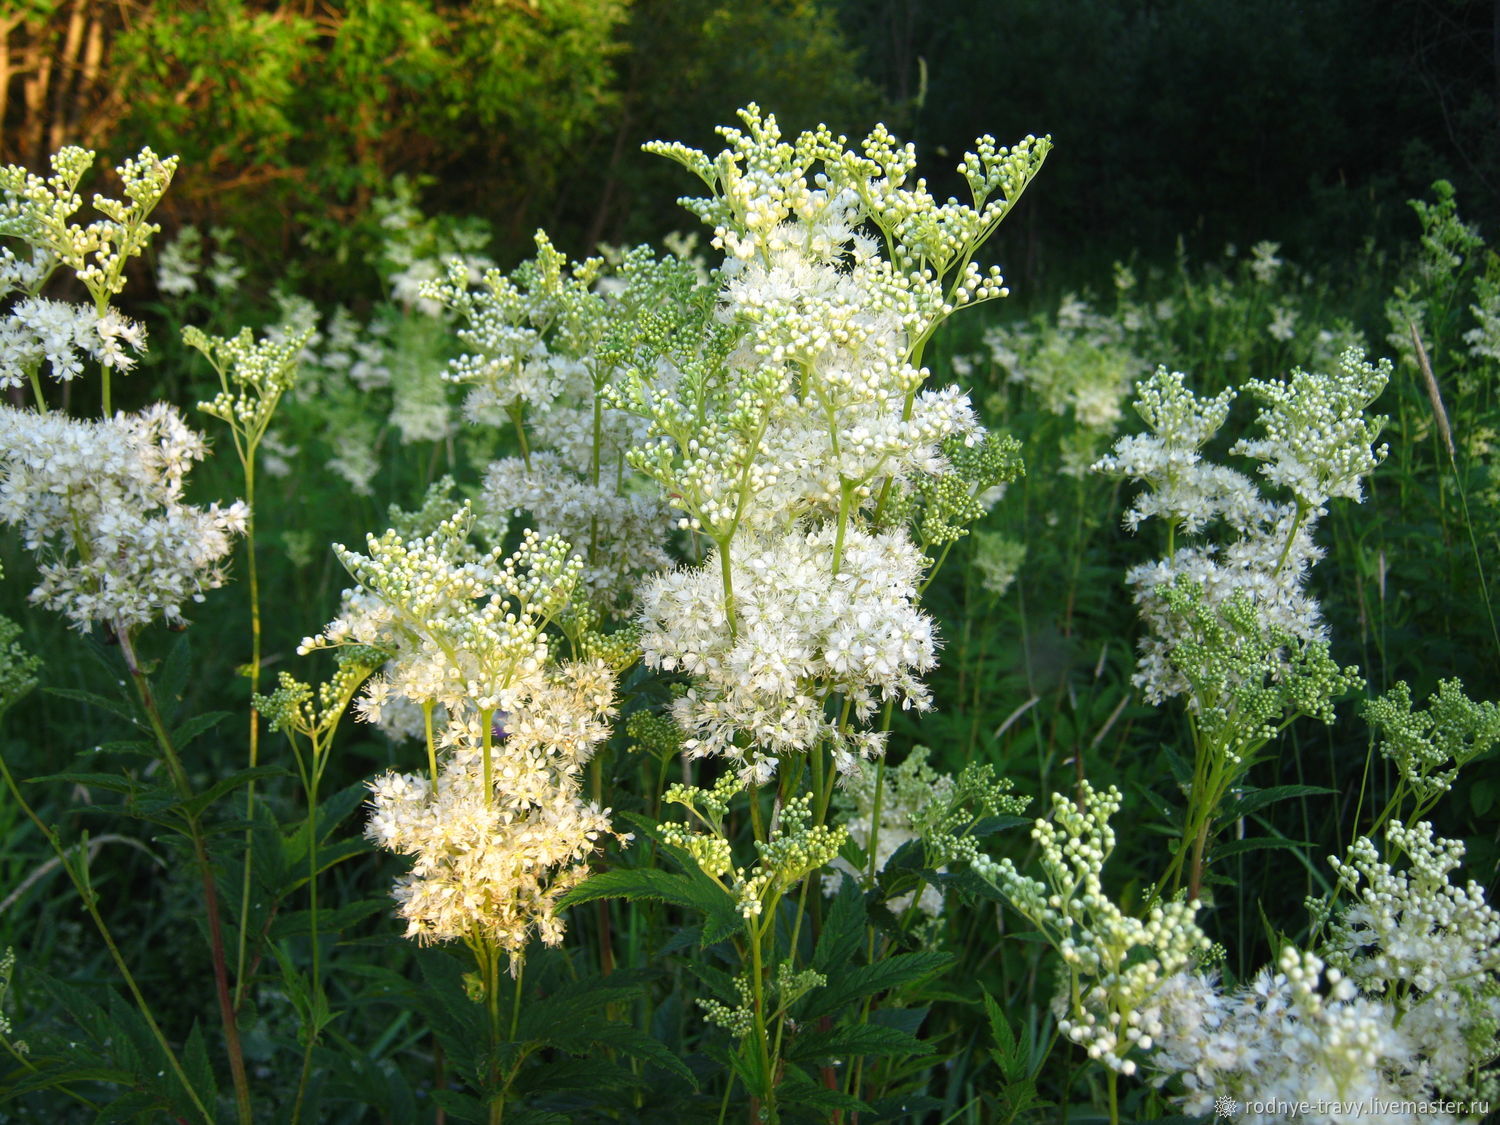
{"x": 630, "y": 1040}
{"x": 1009, "y": 1055}
{"x": 1255, "y": 799}
{"x": 798, "y": 1089}
{"x": 841, "y": 1044}
{"x": 462, "y": 1107}
{"x": 563, "y": 1019}
{"x": 332, "y": 811}
{"x": 847, "y": 985}
{"x": 843, "y": 928}
{"x": 196, "y": 726}
{"x": 722, "y": 917}
{"x": 112, "y": 782}
{"x": 1255, "y": 844}
{"x": 200, "y": 1071}
{"x": 197, "y": 803}
{"x": 93, "y": 699}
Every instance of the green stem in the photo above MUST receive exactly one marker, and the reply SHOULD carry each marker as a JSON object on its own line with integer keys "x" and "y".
{"x": 727, "y": 578}
{"x": 206, "y": 875}
{"x": 516, "y": 416}
{"x": 36, "y": 388}
{"x": 757, "y": 984}
{"x": 254, "y": 670}
{"x": 86, "y": 894}
{"x": 486, "y": 720}
{"x": 432, "y": 769}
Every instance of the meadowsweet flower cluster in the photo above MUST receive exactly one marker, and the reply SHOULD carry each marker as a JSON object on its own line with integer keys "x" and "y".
{"x": 794, "y": 848}
{"x": 1115, "y": 965}
{"x": 1428, "y": 747}
{"x": 1280, "y": 1038}
{"x": 1082, "y": 363}
{"x": 546, "y": 347}
{"x": 101, "y": 504}
{"x": 1429, "y": 949}
{"x": 913, "y": 802}
{"x": 181, "y": 269}
{"x": 503, "y": 833}
{"x": 820, "y": 398}
{"x": 799, "y": 634}
{"x": 1317, "y": 445}
{"x": 799, "y": 419}
{"x": 499, "y": 829}
{"x": 61, "y": 335}
{"x": 466, "y": 626}
{"x": 38, "y": 212}
{"x": 630, "y": 529}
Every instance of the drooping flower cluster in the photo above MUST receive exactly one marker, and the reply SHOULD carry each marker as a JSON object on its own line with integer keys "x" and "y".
{"x": 101, "y": 503}
{"x": 799, "y": 634}
{"x": 1115, "y": 965}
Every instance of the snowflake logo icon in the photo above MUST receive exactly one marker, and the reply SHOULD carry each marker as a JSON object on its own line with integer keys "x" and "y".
{"x": 1225, "y": 1106}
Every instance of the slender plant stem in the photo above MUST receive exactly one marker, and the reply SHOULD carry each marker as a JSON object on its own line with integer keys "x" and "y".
{"x": 86, "y": 894}
{"x": 253, "y": 578}
{"x": 206, "y": 875}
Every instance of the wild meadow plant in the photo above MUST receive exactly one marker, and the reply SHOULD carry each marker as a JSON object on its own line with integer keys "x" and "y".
{"x": 643, "y": 673}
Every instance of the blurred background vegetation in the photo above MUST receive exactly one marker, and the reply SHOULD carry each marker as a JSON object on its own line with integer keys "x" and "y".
{"x": 1308, "y": 121}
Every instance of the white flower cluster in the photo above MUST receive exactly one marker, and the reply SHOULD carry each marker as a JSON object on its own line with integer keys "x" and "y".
{"x": 1427, "y": 947}
{"x": 1318, "y": 440}
{"x": 1280, "y": 1040}
{"x": 1317, "y": 444}
{"x": 1263, "y": 261}
{"x": 1116, "y": 965}
{"x": 101, "y": 504}
{"x": 1403, "y": 1006}
{"x": 466, "y": 627}
{"x": 801, "y": 633}
{"x": 1082, "y": 363}
{"x": 417, "y": 246}
{"x": 818, "y": 400}
{"x": 492, "y": 860}
{"x": 63, "y": 335}
{"x": 180, "y": 264}
{"x": 563, "y": 504}
{"x": 499, "y": 830}
{"x": 545, "y": 345}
